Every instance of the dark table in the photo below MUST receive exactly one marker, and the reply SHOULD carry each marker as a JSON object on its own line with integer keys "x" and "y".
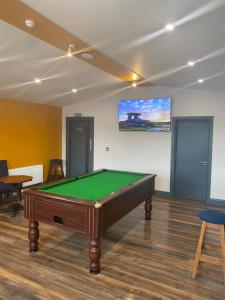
{"x": 16, "y": 181}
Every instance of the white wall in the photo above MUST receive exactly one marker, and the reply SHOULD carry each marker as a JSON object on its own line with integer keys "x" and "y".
{"x": 150, "y": 152}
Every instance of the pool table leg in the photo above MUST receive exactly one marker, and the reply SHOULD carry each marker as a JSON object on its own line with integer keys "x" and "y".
{"x": 33, "y": 235}
{"x": 148, "y": 209}
{"x": 94, "y": 255}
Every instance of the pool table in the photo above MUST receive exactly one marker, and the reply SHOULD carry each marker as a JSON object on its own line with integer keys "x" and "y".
{"x": 90, "y": 203}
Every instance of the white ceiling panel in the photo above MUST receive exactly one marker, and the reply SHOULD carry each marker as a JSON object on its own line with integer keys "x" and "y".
{"x": 24, "y": 58}
{"x": 131, "y": 32}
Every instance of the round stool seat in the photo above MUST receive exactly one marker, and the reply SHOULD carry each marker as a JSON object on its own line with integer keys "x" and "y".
{"x": 5, "y": 188}
{"x": 212, "y": 216}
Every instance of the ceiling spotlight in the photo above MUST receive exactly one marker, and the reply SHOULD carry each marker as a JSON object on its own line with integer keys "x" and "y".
{"x": 37, "y": 80}
{"x": 74, "y": 91}
{"x": 30, "y": 23}
{"x": 170, "y": 27}
{"x": 69, "y": 54}
{"x": 191, "y": 63}
{"x": 134, "y": 76}
{"x": 134, "y": 84}
{"x": 87, "y": 56}
{"x": 70, "y": 50}
{"x": 200, "y": 80}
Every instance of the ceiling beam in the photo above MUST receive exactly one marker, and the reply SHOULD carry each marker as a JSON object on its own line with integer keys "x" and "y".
{"x": 16, "y": 12}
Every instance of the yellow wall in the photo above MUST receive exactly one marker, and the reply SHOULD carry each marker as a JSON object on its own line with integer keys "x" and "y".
{"x": 30, "y": 133}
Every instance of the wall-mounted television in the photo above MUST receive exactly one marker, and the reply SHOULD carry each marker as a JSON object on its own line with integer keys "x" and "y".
{"x": 145, "y": 114}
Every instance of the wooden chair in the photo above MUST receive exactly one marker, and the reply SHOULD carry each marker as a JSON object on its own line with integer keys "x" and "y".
{"x": 55, "y": 170}
{"x": 215, "y": 220}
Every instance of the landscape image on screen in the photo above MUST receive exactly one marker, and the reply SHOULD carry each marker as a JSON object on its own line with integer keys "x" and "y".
{"x": 145, "y": 114}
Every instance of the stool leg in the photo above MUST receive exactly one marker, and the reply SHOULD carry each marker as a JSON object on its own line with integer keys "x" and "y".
{"x": 199, "y": 250}
{"x": 222, "y": 248}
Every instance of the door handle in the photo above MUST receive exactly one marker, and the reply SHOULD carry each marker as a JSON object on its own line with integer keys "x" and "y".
{"x": 204, "y": 163}
{"x": 90, "y": 144}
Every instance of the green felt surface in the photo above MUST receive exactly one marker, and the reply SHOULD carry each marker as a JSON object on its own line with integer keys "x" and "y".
{"x": 95, "y": 186}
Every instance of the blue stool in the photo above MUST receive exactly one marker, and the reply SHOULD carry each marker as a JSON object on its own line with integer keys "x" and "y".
{"x": 216, "y": 220}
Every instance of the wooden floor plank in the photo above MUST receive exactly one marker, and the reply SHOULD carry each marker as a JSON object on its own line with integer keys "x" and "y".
{"x": 140, "y": 259}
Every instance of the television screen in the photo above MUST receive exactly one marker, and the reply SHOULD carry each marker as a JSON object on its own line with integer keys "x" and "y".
{"x": 145, "y": 114}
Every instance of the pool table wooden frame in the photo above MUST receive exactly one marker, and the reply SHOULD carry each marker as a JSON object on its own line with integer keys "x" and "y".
{"x": 91, "y": 218}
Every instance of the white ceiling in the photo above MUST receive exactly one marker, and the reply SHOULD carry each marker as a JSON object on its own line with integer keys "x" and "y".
{"x": 130, "y": 31}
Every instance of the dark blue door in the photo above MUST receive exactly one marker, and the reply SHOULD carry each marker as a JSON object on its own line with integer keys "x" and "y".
{"x": 191, "y": 158}
{"x": 80, "y": 141}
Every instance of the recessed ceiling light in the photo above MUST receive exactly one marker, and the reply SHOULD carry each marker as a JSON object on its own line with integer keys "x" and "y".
{"x": 30, "y": 23}
{"x": 37, "y": 80}
{"x": 191, "y": 63}
{"x": 169, "y": 27}
{"x": 200, "y": 80}
{"x": 87, "y": 56}
{"x": 134, "y": 76}
{"x": 134, "y": 84}
{"x": 74, "y": 91}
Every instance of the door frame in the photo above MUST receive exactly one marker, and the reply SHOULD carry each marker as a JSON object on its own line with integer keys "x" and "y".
{"x": 173, "y": 154}
{"x": 91, "y": 160}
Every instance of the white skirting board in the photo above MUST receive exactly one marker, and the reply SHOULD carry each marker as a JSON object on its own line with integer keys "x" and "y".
{"x": 35, "y": 171}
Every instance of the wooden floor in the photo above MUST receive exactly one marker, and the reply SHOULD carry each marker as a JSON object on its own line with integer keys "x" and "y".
{"x": 140, "y": 259}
